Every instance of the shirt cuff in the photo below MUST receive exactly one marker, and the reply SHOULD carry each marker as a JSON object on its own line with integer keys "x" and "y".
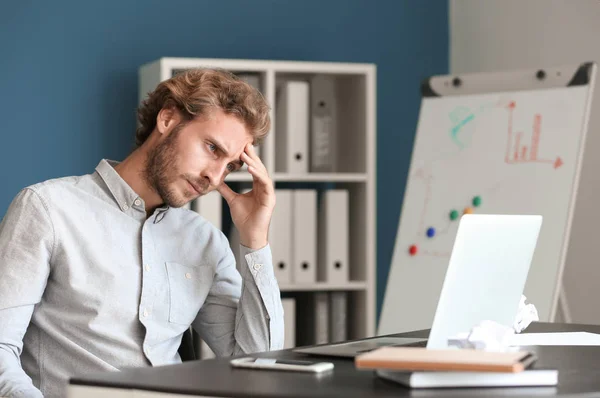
{"x": 259, "y": 264}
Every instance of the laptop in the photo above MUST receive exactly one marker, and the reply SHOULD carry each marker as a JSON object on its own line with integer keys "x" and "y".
{"x": 485, "y": 278}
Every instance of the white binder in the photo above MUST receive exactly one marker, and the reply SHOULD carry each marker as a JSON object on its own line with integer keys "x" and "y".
{"x": 304, "y": 236}
{"x": 291, "y": 127}
{"x": 289, "y": 322}
{"x": 280, "y": 236}
{"x": 333, "y": 237}
{"x": 210, "y": 207}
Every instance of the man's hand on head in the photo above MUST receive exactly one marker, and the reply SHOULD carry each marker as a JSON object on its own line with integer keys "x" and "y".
{"x": 251, "y": 212}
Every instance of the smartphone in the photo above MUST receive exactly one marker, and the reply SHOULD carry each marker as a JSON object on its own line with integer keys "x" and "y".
{"x": 282, "y": 364}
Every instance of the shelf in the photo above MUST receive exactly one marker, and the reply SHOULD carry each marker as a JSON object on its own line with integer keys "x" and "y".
{"x": 315, "y": 177}
{"x": 321, "y": 177}
{"x": 322, "y": 286}
{"x": 170, "y": 63}
{"x": 354, "y": 168}
{"x": 239, "y": 176}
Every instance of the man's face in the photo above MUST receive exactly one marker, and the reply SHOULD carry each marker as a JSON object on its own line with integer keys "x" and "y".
{"x": 193, "y": 158}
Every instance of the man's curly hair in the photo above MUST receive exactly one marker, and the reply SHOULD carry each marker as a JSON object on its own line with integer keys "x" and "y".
{"x": 195, "y": 92}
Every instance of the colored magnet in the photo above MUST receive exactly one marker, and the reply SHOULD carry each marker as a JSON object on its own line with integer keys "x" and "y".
{"x": 477, "y": 201}
{"x": 453, "y": 215}
{"x": 412, "y": 250}
{"x": 430, "y": 232}
{"x": 468, "y": 210}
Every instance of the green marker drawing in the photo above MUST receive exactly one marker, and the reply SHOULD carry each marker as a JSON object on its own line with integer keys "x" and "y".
{"x": 459, "y": 117}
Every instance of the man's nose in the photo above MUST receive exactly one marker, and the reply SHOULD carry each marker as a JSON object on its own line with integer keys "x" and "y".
{"x": 216, "y": 173}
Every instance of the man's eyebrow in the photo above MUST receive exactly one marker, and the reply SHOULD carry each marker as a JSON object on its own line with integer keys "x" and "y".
{"x": 221, "y": 148}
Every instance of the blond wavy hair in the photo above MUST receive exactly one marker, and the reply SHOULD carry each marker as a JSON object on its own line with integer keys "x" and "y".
{"x": 195, "y": 92}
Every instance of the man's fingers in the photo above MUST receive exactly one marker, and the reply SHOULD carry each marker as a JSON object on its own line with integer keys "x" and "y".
{"x": 251, "y": 150}
{"x": 249, "y": 156}
{"x": 261, "y": 177}
{"x": 226, "y": 192}
{"x": 250, "y": 161}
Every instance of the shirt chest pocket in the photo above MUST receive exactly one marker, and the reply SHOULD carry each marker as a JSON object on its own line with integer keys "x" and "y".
{"x": 188, "y": 288}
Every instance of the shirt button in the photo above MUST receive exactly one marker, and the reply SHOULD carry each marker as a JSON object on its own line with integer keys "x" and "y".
{"x": 257, "y": 267}
{"x": 137, "y": 202}
{"x": 125, "y": 207}
{"x": 145, "y": 313}
{"x": 188, "y": 275}
{"x": 147, "y": 267}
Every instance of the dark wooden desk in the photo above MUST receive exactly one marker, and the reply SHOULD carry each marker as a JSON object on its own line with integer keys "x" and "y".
{"x": 579, "y": 373}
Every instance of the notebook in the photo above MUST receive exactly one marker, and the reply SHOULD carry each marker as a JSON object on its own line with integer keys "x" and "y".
{"x": 527, "y": 378}
{"x": 429, "y": 368}
{"x": 419, "y": 359}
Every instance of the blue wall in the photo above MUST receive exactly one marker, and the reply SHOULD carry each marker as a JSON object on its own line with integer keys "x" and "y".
{"x": 68, "y": 74}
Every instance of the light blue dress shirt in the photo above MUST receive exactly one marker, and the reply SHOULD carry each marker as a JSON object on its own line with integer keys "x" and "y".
{"x": 89, "y": 283}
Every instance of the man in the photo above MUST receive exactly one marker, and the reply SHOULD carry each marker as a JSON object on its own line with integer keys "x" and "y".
{"x": 105, "y": 271}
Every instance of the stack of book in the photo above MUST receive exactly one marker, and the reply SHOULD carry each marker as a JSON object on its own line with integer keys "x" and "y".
{"x": 427, "y": 368}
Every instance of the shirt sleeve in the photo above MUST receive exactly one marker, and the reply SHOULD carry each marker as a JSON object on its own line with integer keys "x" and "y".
{"x": 26, "y": 243}
{"x": 243, "y": 311}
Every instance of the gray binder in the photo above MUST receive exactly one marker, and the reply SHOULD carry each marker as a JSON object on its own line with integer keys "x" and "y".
{"x": 323, "y": 124}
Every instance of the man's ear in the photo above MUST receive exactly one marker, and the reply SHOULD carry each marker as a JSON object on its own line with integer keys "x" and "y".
{"x": 166, "y": 119}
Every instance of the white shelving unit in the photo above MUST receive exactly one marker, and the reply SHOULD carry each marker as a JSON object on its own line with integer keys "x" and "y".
{"x": 355, "y": 169}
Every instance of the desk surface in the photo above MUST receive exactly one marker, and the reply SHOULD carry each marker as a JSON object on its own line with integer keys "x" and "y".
{"x": 579, "y": 372}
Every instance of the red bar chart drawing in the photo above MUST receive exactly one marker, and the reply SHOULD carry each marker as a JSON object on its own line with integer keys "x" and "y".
{"x": 517, "y": 152}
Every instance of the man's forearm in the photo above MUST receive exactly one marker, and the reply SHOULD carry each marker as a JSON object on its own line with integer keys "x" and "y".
{"x": 243, "y": 313}
{"x": 26, "y": 242}
{"x": 14, "y": 382}
{"x": 260, "y": 326}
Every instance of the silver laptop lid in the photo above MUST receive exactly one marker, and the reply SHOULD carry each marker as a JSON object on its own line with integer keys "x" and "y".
{"x": 486, "y": 274}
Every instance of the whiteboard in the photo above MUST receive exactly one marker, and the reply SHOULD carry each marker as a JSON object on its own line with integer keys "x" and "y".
{"x": 503, "y": 151}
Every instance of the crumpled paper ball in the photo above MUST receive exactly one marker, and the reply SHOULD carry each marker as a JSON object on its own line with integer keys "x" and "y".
{"x": 526, "y": 314}
{"x": 492, "y": 336}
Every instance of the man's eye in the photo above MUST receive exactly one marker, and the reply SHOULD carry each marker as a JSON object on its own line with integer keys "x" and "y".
{"x": 212, "y": 147}
{"x": 230, "y": 167}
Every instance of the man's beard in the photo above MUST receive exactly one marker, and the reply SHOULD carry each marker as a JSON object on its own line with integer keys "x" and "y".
{"x": 161, "y": 169}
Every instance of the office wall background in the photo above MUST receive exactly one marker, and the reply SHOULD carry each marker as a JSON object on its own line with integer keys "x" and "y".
{"x": 68, "y": 74}
{"x": 542, "y": 33}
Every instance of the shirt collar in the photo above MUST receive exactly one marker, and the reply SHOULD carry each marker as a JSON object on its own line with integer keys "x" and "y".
{"x": 125, "y": 197}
